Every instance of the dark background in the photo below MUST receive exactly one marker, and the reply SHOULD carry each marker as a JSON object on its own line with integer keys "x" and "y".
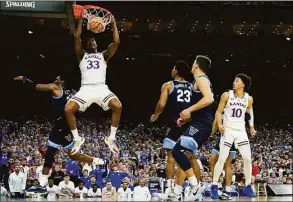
{"x": 253, "y": 38}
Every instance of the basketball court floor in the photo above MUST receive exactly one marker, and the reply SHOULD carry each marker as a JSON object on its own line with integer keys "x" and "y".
{"x": 273, "y": 198}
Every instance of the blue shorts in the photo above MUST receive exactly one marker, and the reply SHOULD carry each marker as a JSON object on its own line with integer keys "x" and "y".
{"x": 216, "y": 150}
{"x": 173, "y": 135}
{"x": 196, "y": 134}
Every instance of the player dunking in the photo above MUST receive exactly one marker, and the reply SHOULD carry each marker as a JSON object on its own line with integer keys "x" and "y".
{"x": 234, "y": 104}
{"x": 60, "y": 137}
{"x": 177, "y": 95}
{"x": 198, "y": 131}
{"x": 93, "y": 66}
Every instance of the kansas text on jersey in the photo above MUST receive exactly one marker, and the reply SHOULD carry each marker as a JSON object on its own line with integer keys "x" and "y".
{"x": 234, "y": 112}
{"x": 93, "y": 69}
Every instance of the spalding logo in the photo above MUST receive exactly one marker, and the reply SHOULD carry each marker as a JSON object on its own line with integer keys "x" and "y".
{"x": 25, "y": 4}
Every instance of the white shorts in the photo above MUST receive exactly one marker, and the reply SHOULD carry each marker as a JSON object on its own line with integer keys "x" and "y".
{"x": 88, "y": 94}
{"x": 238, "y": 137}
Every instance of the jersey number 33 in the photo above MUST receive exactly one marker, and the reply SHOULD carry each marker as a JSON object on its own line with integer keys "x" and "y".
{"x": 93, "y": 64}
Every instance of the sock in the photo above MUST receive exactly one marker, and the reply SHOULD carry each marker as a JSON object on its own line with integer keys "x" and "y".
{"x": 172, "y": 183}
{"x": 76, "y": 137}
{"x": 113, "y": 133}
{"x": 193, "y": 181}
{"x": 177, "y": 189}
{"x": 169, "y": 182}
{"x": 228, "y": 189}
{"x": 224, "y": 152}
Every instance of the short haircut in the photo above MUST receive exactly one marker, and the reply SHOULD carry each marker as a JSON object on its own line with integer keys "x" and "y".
{"x": 182, "y": 68}
{"x": 66, "y": 175}
{"x": 245, "y": 79}
{"x": 203, "y": 62}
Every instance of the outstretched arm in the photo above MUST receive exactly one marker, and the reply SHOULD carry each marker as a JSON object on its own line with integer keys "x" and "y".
{"x": 40, "y": 87}
{"x": 112, "y": 48}
{"x": 77, "y": 40}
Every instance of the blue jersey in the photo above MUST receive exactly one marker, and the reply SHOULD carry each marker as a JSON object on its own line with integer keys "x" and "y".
{"x": 58, "y": 103}
{"x": 206, "y": 113}
{"x": 179, "y": 99}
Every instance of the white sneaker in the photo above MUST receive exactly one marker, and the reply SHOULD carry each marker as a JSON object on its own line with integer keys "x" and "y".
{"x": 98, "y": 162}
{"x": 77, "y": 145}
{"x": 165, "y": 196}
{"x": 43, "y": 180}
{"x": 112, "y": 145}
{"x": 173, "y": 197}
{"x": 194, "y": 193}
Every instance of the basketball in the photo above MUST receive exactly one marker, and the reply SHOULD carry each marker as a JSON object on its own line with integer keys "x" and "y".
{"x": 97, "y": 25}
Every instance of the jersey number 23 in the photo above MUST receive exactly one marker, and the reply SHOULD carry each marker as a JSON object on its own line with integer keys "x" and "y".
{"x": 183, "y": 96}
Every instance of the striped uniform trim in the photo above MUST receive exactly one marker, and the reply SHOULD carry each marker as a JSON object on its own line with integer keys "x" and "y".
{"x": 108, "y": 97}
{"x": 79, "y": 100}
{"x": 227, "y": 144}
{"x": 243, "y": 143}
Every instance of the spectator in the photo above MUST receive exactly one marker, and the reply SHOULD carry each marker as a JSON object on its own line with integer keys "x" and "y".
{"x": 109, "y": 192}
{"x": 67, "y": 187}
{"x": 141, "y": 192}
{"x": 256, "y": 166}
{"x": 52, "y": 190}
{"x": 17, "y": 183}
{"x": 161, "y": 172}
{"x": 95, "y": 192}
{"x": 25, "y": 166}
{"x": 72, "y": 169}
{"x": 4, "y": 165}
{"x": 91, "y": 182}
{"x": 124, "y": 193}
{"x": 81, "y": 191}
{"x": 57, "y": 175}
{"x": 85, "y": 178}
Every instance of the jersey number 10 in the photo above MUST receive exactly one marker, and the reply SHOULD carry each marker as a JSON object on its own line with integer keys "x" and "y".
{"x": 236, "y": 113}
{"x": 183, "y": 96}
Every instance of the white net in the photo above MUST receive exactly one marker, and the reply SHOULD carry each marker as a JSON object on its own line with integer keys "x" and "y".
{"x": 94, "y": 11}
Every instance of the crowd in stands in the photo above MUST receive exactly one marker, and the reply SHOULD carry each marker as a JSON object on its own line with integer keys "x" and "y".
{"x": 141, "y": 159}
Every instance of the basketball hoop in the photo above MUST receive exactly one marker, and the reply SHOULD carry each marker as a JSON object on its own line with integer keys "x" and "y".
{"x": 90, "y": 12}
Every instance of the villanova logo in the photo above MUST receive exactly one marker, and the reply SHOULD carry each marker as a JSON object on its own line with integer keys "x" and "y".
{"x": 192, "y": 130}
{"x": 68, "y": 138}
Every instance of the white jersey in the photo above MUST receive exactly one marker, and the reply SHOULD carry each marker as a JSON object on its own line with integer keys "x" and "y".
{"x": 234, "y": 112}
{"x": 52, "y": 191}
{"x": 93, "y": 69}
